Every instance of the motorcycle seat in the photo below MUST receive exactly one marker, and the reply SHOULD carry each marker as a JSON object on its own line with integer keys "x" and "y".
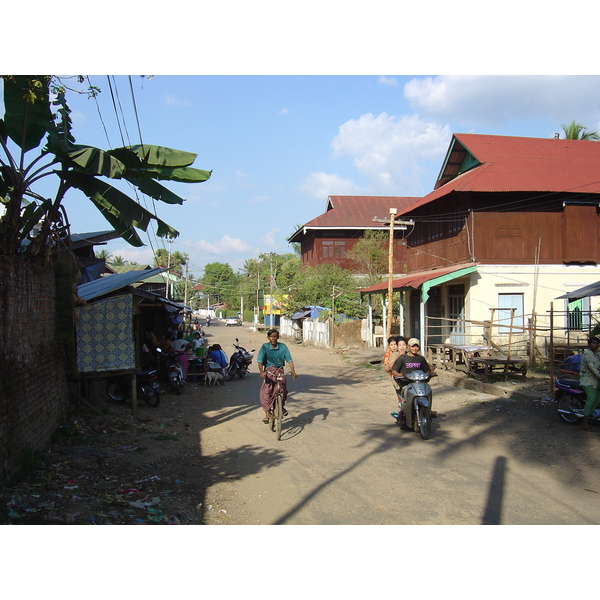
{"x": 572, "y": 383}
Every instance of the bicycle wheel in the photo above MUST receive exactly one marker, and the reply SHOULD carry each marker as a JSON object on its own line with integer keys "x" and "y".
{"x": 278, "y": 415}
{"x": 114, "y": 392}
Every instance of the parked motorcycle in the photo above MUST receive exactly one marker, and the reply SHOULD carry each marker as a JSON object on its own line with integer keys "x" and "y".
{"x": 415, "y": 402}
{"x": 174, "y": 371}
{"x": 239, "y": 363}
{"x": 148, "y": 390}
{"x": 570, "y": 401}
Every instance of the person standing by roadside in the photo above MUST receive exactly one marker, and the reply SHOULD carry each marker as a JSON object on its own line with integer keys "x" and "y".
{"x": 589, "y": 376}
{"x": 271, "y": 360}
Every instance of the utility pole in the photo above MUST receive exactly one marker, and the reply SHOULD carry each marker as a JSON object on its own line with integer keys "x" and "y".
{"x": 403, "y": 225}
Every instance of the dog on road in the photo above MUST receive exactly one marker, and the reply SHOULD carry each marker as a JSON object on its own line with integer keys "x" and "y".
{"x": 213, "y": 378}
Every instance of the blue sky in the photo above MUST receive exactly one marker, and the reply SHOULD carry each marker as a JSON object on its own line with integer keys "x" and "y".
{"x": 279, "y": 145}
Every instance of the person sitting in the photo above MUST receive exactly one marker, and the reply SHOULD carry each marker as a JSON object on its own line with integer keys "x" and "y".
{"x": 180, "y": 345}
{"x": 216, "y": 354}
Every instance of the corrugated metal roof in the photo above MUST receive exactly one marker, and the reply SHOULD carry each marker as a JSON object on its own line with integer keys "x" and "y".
{"x": 111, "y": 283}
{"x": 519, "y": 164}
{"x": 414, "y": 280}
{"x": 345, "y": 212}
{"x": 593, "y": 289}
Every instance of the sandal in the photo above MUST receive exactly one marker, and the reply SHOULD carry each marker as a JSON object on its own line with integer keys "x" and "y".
{"x": 265, "y": 420}
{"x": 284, "y": 412}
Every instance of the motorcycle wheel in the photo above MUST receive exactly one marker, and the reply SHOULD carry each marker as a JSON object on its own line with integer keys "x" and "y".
{"x": 569, "y": 403}
{"x": 425, "y": 422}
{"x": 242, "y": 372}
{"x": 229, "y": 374}
{"x": 151, "y": 397}
{"x": 114, "y": 392}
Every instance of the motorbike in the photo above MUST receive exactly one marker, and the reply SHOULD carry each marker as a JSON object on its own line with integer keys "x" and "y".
{"x": 415, "y": 402}
{"x": 174, "y": 371}
{"x": 148, "y": 390}
{"x": 570, "y": 401}
{"x": 239, "y": 363}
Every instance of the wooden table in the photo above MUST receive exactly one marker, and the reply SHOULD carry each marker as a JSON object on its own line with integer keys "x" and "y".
{"x": 489, "y": 364}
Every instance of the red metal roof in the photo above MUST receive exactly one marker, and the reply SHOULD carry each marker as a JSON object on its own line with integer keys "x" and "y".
{"x": 359, "y": 211}
{"x": 516, "y": 164}
{"x": 414, "y": 280}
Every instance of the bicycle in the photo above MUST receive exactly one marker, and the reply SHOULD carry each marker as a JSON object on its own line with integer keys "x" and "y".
{"x": 276, "y": 410}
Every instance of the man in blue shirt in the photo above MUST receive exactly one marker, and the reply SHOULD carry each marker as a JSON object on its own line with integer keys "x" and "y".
{"x": 271, "y": 360}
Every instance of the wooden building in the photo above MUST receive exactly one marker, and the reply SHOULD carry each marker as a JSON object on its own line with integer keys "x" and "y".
{"x": 511, "y": 224}
{"x": 329, "y": 237}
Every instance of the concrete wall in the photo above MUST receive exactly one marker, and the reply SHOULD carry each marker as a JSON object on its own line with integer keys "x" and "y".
{"x": 34, "y": 396}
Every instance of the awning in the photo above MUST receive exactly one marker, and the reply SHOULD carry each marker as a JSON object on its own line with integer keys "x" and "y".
{"x": 593, "y": 289}
{"x": 426, "y": 279}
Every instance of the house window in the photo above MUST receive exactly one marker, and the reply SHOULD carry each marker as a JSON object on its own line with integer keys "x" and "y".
{"x": 333, "y": 249}
{"x": 578, "y": 314}
{"x": 506, "y": 302}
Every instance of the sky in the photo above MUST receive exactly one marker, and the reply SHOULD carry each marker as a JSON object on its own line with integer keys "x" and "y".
{"x": 279, "y": 145}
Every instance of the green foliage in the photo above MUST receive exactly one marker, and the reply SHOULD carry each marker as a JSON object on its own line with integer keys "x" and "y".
{"x": 28, "y": 121}
{"x": 315, "y": 286}
{"x": 576, "y": 131}
{"x": 370, "y": 253}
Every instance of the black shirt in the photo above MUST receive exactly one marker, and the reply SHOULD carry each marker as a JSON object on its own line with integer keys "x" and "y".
{"x": 408, "y": 364}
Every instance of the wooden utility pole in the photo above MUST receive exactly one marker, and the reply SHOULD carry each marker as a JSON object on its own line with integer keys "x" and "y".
{"x": 403, "y": 225}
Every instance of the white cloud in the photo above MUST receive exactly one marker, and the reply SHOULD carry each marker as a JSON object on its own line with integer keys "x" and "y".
{"x": 142, "y": 256}
{"x": 284, "y": 111}
{"x": 493, "y": 100}
{"x": 320, "y": 185}
{"x": 392, "y": 151}
{"x": 269, "y": 238}
{"x": 259, "y": 199}
{"x": 172, "y": 101}
{"x": 226, "y": 246}
{"x": 384, "y": 80}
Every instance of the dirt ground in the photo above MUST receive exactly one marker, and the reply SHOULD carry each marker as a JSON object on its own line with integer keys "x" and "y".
{"x": 174, "y": 463}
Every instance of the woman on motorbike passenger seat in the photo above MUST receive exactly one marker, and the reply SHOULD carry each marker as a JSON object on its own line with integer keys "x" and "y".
{"x": 396, "y": 348}
{"x": 409, "y": 362}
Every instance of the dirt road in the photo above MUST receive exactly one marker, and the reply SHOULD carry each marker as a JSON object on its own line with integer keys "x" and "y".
{"x": 206, "y": 457}
{"x": 342, "y": 460}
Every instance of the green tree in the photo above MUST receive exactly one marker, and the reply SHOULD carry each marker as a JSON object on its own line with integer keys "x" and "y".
{"x": 220, "y": 282}
{"x": 370, "y": 253}
{"x": 104, "y": 254}
{"x": 29, "y": 124}
{"x": 576, "y": 131}
{"x": 118, "y": 261}
{"x": 176, "y": 261}
{"x": 314, "y": 286}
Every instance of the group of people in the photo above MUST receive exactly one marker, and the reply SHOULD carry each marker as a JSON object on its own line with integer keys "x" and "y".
{"x": 403, "y": 357}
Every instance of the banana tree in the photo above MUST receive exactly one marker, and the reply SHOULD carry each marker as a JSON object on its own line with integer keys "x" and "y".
{"x": 32, "y": 224}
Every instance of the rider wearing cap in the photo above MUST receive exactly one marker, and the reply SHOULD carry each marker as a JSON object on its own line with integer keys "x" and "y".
{"x": 407, "y": 363}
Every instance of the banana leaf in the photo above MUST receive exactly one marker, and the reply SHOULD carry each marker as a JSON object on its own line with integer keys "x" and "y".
{"x": 181, "y": 174}
{"x": 92, "y": 161}
{"x": 142, "y": 155}
{"x": 118, "y": 209}
{"x": 27, "y": 114}
{"x": 154, "y": 190}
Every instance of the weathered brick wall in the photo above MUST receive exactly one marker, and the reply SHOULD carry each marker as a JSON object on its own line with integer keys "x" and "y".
{"x": 34, "y": 396}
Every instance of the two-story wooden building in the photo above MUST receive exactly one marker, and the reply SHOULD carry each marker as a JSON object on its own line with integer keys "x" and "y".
{"x": 329, "y": 237}
{"x": 511, "y": 224}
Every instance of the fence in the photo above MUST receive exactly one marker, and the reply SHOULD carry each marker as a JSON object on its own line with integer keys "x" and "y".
{"x": 313, "y": 331}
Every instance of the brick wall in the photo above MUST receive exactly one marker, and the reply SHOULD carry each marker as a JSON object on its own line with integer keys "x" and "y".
{"x": 34, "y": 396}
